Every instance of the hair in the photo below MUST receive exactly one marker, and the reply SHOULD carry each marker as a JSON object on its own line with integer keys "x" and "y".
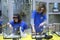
{"x": 17, "y": 16}
{"x": 41, "y": 5}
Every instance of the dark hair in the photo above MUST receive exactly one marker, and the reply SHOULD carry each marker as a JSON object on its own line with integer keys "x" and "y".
{"x": 17, "y": 16}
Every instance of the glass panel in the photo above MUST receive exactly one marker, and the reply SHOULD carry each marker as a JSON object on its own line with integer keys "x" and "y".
{"x": 4, "y": 7}
{"x": 5, "y": 11}
{"x": 27, "y": 10}
{"x": 54, "y": 7}
{"x": 54, "y": 18}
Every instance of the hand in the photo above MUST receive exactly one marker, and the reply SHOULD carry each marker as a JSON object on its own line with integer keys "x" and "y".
{"x": 41, "y": 25}
{"x": 9, "y": 25}
{"x": 33, "y": 31}
{"x": 23, "y": 34}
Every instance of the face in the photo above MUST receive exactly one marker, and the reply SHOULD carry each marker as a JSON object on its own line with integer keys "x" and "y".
{"x": 40, "y": 9}
{"x": 16, "y": 19}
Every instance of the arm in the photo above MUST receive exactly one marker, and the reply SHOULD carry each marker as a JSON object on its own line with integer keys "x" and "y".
{"x": 23, "y": 26}
{"x": 9, "y": 25}
{"x": 44, "y": 21}
{"x": 23, "y": 34}
{"x": 32, "y": 21}
{"x": 32, "y": 24}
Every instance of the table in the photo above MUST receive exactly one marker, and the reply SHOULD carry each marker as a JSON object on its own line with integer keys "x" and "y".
{"x": 14, "y": 37}
{"x": 41, "y": 36}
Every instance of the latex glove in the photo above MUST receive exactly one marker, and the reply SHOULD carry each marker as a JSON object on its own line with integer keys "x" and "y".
{"x": 41, "y": 25}
{"x": 23, "y": 34}
{"x": 10, "y": 26}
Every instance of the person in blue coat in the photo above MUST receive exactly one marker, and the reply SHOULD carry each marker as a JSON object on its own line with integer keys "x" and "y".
{"x": 38, "y": 18}
{"x": 17, "y": 23}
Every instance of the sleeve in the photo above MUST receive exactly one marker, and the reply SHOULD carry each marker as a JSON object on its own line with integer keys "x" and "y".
{"x": 11, "y": 22}
{"x": 44, "y": 20}
{"x": 0, "y": 22}
{"x": 24, "y": 26}
{"x": 45, "y": 17}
